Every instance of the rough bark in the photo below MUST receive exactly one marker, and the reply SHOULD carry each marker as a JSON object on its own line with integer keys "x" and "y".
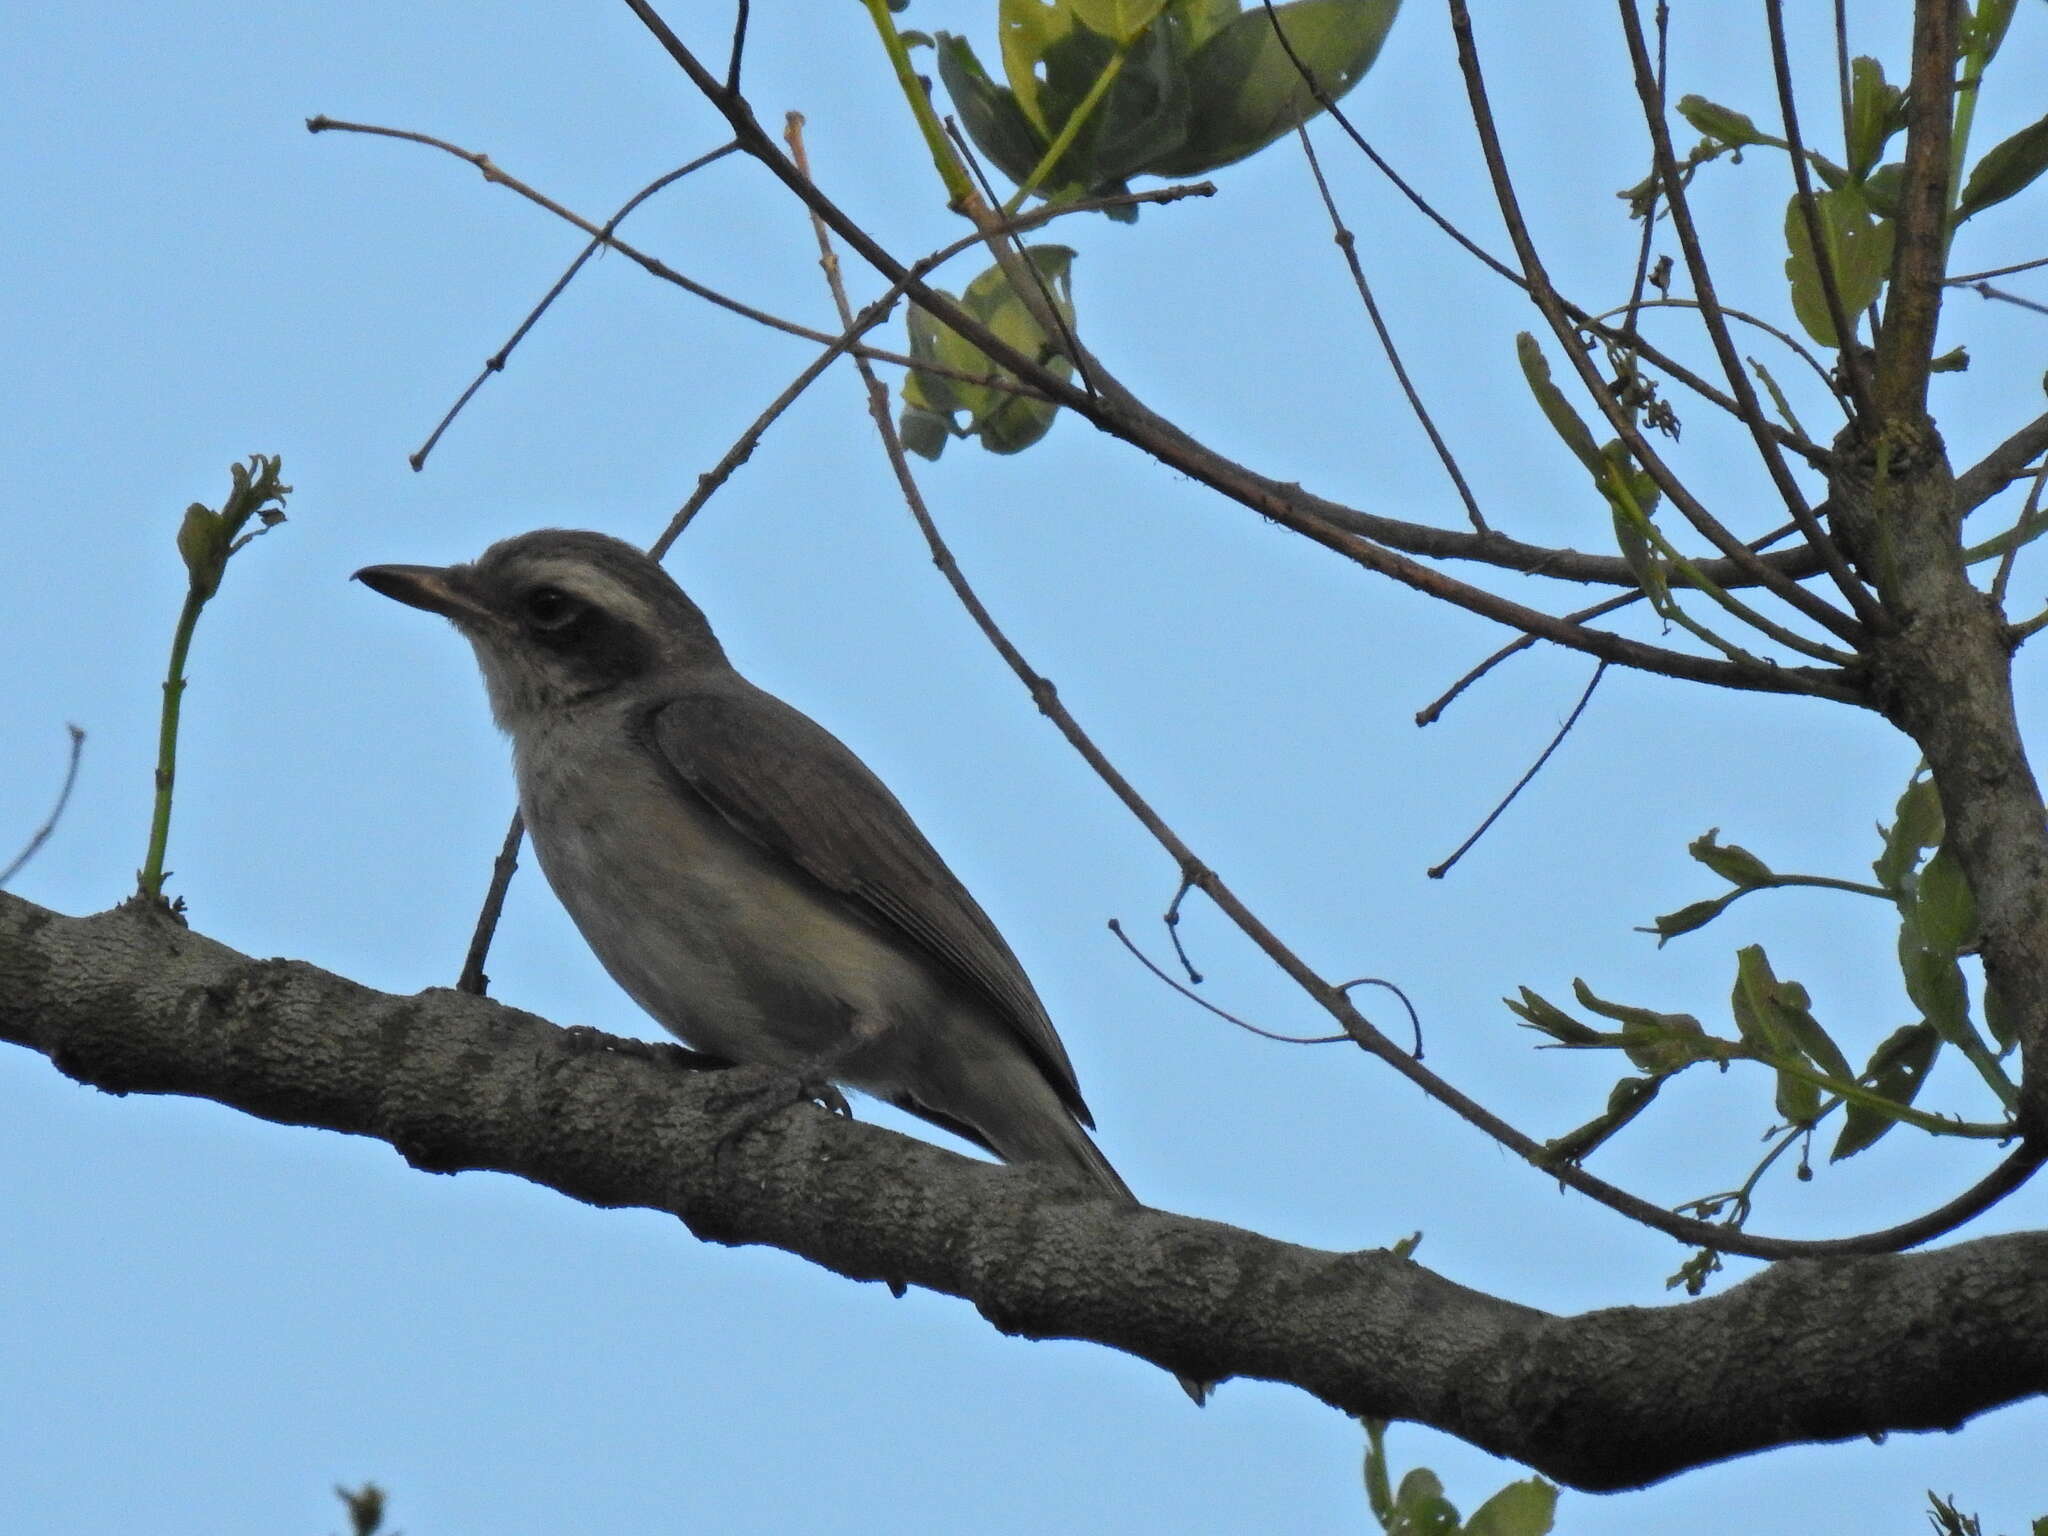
{"x": 1814, "y": 1350}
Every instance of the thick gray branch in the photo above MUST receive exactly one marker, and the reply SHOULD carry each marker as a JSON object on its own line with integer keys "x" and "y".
{"x": 1809, "y": 1350}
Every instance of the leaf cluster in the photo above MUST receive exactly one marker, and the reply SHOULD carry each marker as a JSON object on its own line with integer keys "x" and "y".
{"x": 1098, "y": 91}
{"x": 1773, "y": 1017}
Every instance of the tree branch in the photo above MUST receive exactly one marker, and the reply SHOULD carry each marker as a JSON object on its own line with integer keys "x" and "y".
{"x": 1608, "y": 1399}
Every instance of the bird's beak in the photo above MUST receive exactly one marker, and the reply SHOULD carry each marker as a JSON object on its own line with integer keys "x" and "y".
{"x": 438, "y": 589}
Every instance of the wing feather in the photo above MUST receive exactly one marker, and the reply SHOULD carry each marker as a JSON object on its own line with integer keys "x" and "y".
{"x": 798, "y": 792}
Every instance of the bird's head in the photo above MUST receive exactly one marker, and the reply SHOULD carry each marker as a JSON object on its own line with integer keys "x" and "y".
{"x": 559, "y": 617}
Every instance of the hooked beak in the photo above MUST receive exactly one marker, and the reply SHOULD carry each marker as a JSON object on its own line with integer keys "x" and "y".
{"x": 437, "y": 589}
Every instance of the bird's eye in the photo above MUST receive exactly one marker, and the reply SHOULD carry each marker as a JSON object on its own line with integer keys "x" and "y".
{"x": 551, "y": 607}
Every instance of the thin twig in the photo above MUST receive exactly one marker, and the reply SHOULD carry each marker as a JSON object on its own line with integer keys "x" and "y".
{"x": 1202, "y": 1002}
{"x": 1544, "y": 294}
{"x": 653, "y": 265}
{"x": 473, "y": 979}
{"x": 42, "y": 833}
{"x": 1809, "y": 212}
{"x": 1070, "y": 348}
{"x": 495, "y": 363}
{"x": 1751, "y": 413}
{"x": 1438, "y": 871}
{"x": 2029, "y": 510}
{"x": 1414, "y": 1018}
{"x": 1986, "y": 291}
{"x": 1433, "y": 711}
{"x": 739, "y": 46}
{"x": 1791, "y": 342}
{"x": 1642, "y": 277}
{"x": 1842, "y": 90}
{"x": 1662, "y": 361}
{"x": 2018, "y": 266}
{"x": 1171, "y": 922}
{"x": 1348, "y": 244}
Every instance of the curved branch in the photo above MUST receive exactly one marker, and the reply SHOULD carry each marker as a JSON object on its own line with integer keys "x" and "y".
{"x": 1604, "y": 1400}
{"x": 1116, "y": 411}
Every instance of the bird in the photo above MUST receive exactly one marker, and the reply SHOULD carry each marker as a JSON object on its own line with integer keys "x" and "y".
{"x": 736, "y": 868}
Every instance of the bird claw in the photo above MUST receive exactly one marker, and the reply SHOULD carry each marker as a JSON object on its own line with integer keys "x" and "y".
{"x": 771, "y": 1096}
{"x": 583, "y": 1040}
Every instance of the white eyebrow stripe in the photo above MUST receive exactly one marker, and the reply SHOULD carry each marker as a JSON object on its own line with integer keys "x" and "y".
{"x": 594, "y": 587}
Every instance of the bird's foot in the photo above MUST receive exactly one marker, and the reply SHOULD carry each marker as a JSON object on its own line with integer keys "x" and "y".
{"x": 766, "y": 1094}
{"x": 582, "y": 1040}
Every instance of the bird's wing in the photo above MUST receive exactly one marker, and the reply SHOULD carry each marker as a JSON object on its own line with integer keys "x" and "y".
{"x": 798, "y": 792}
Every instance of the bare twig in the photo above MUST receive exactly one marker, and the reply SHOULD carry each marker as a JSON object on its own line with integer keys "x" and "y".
{"x": 42, "y": 833}
{"x": 1171, "y": 922}
{"x": 1200, "y": 1001}
{"x": 1438, "y": 871}
{"x": 739, "y": 46}
{"x": 2018, "y": 266}
{"x": 473, "y": 978}
{"x": 1777, "y": 333}
{"x": 1430, "y": 713}
{"x": 495, "y": 363}
{"x": 1414, "y": 1018}
{"x": 1986, "y": 291}
{"x": 1348, "y": 244}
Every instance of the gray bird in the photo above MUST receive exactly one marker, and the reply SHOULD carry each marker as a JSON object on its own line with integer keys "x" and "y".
{"x": 742, "y": 875}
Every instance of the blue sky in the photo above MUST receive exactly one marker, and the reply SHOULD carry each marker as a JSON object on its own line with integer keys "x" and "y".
{"x": 206, "y": 1321}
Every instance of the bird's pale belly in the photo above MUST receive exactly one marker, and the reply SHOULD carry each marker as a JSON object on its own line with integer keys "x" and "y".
{"x": 717, "y": 940}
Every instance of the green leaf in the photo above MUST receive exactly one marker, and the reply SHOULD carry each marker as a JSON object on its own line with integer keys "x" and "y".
{"x": 1556, "y": 409}
{"x": 1245, "y": 91}
{"x": 1936, "y": 985}
{"x": 1379, "y": 1491}
{"x": 1721, "y": 123}
{"x": 1004, "y": 422}
{"x": 1757, "y": 1018}
{"x": 1859, "y": 252}
{"x": 1143, "y": 116}
{"x": 1666, "y": 1043}
{"x": 1944, "y": 910}
{"x": 1118, "y": 20}
{"x": 1540, "y": 1014}
{"x": 1916, "y": 825}
{"x": 1876, "y": 112}
{"x": 1694, "y": 915}
{"x": 1420, "y": 1508}
{"x": 1881, "y": 190}
{"x": 1625, "y": 1100}
{"x": 1897, "y": 1069}
{"x": 1527, "y": 1508}
{"x": 924, "y": 432}
{"x": 1029, "y": 27}
{"x": 203, "y": 545}
{"x": 993, "y": 116}
{"x": 1196, "y": 21}
{"x": 1737, "y": 865}
{"x": 2006, "y": 169}
{"x": 1774, "y": 1017}
{"x": 1999, "y": 1020}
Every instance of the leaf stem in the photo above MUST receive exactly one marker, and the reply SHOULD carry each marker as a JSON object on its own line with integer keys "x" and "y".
{"x": 960, "y": 192}
{"x": 150, "y": 879}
